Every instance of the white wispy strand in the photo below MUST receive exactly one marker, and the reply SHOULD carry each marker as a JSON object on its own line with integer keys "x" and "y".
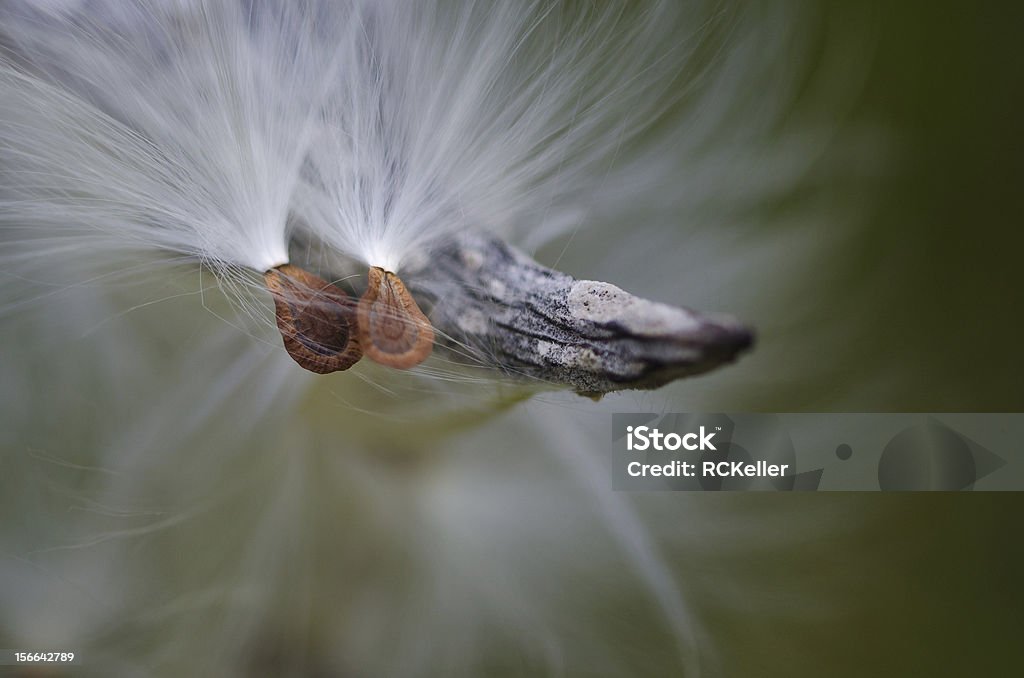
{"x": 150, "y": 125}
{"x": 481, "y": 115}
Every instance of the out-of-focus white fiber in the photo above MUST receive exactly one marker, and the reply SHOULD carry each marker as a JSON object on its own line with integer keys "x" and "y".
{"x": 181, "y": 499}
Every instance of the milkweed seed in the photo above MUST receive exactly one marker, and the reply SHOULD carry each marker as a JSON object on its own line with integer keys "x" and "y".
{"x": 392, "y": 329}
{"x": 316, "y": 319}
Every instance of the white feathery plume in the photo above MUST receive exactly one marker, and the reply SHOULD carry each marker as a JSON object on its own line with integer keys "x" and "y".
{"x": 197, "y": 504}
{"x": 513, "y": 110}
{"x": 159, "y": 126}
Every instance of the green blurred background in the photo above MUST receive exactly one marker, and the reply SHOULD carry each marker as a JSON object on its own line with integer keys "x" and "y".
{"x": 934, "y": 280}
{"x": 938, "y": 272}
{"x": 918, "y": 307}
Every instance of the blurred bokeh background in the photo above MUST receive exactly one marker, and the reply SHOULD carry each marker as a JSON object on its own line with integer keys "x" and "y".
{"x": 177, "y": 499}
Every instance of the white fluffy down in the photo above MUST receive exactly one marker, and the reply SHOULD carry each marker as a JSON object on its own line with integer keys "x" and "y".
{"x": 180, "y": 500}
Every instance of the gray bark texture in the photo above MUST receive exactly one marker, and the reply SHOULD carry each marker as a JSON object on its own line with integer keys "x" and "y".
{"x": 494, "y": 306}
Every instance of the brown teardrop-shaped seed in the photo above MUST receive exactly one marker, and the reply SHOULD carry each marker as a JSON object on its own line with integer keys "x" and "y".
{"x": 392, "y": 329}
{"x": 317, "y": 320}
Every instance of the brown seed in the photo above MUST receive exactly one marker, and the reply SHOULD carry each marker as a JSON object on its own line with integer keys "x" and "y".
{"x": 316, "y": 320}
{"x": 392, "y": 329}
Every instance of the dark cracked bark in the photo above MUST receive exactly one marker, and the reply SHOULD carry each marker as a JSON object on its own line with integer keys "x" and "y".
{"x": 493, "y": 305}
